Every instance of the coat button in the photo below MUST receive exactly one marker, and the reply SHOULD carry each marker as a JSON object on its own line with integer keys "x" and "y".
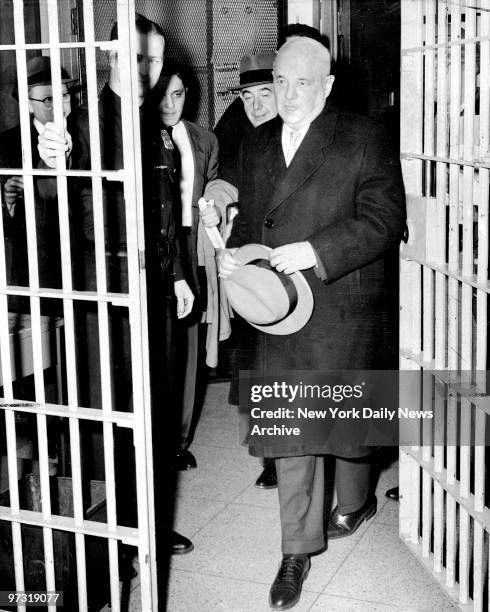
{"x": 269, "y": 223}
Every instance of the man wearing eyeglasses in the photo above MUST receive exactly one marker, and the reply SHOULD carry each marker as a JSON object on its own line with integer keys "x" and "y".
{"x": 48, "y": 141}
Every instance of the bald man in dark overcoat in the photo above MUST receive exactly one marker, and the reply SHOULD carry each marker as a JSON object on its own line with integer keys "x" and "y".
{"x": 324, "y": 190}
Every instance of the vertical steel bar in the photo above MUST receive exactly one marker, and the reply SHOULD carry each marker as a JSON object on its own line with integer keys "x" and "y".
{"x": 453, "y": 285}
{"x": 137, "y": 308}
{"x": 439, "y": 440}
{"x": 411, "y": 139}
{"x": 428, "y": 276}
{"x": 452, "y": 301}
{"x": 467, "y": 331}
{"x": 477, "y": 567}
{"x": 483, "y": 251}
{"x": 429, "y": 90}
{"x": 482, "y": 300}
{"x": 441, "y": 307}
{"x": 427, "y": 506}
{"x": 101, "y": 276}
{"x": 440, "y": 360}
{"x": 35, "y": 301}
{"x": 10, "y": 433}
{"x": 454, "y": 170}
{"x": 69, "y": 322}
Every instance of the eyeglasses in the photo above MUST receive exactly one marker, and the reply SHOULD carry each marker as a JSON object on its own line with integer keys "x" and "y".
{"x": 48, "y": 102}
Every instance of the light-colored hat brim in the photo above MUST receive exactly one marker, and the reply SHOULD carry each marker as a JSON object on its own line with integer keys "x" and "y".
{"x": 303, "y": 309}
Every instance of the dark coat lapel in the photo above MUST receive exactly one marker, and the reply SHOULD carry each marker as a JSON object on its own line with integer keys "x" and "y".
{"x": 309, "y": 157}
{"x": 271, "y": 159}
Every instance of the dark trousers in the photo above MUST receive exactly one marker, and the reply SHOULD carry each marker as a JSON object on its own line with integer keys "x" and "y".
{"x": 165, "y": 430}
{"x": 301, "y": 488}
{"x": 187, "y": 383}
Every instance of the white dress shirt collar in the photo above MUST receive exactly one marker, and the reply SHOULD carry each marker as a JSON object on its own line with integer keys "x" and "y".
{"x": 291, "y": 141}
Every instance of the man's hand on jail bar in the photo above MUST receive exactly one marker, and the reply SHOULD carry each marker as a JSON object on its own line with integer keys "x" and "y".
{"x": 53, "y": 142}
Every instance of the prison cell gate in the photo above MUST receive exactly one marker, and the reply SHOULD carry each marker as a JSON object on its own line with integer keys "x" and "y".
{"x": 445, "y": 135}
{"x": 32, "y": 338}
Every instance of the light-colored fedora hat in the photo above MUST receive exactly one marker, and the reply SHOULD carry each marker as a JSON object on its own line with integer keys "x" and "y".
{"x": 255, "y": 70}
{"x": 274, "y": 302}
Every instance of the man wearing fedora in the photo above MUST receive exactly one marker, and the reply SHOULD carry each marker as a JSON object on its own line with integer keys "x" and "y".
{"x": 323, "y": 189}
{"x": 255, "y": 105}
{"x": 40, "y": 100}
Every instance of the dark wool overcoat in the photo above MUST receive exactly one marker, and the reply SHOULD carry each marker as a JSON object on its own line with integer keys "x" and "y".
{"x": 342, "y": 192}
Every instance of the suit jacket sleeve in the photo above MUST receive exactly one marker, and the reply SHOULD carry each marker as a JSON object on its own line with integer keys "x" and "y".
{"x": 212, "y": 170}
{"x": 378, "y": 224}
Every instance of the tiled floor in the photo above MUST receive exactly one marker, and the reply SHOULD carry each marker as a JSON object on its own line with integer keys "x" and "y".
{"x": 235, "y": 531}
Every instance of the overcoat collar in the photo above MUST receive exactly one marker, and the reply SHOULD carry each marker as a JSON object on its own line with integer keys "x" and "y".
{"x": 310, "y": 155}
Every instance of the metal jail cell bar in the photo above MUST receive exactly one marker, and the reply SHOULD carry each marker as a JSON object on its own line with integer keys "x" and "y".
{"x": 134, "y": 300}
{"x": 444, "y": 283}
{"x": 34, "y": 303}
{"x": 103, "y": 316}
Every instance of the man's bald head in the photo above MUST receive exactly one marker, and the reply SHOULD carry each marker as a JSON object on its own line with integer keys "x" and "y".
{"x": 312, "y": 50}
{"x": 302, "y": 80}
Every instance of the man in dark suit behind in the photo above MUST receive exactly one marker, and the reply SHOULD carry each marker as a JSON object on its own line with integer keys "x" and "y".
{"x": 40, "y": 100}
{"x": 323, "y": 188}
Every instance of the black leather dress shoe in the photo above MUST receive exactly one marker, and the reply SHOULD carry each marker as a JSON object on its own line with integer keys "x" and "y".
{"x": 185, "y": 460}
{"x": 342, "y": 525}
{"x": 267, "y": 478}
{"x": 180, "y": 544}
{"x": 286, "y": 588}
{"x": 393, "y": 494}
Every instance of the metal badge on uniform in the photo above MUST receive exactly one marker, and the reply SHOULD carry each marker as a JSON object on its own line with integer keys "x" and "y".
{"x": 167, "y": 141}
